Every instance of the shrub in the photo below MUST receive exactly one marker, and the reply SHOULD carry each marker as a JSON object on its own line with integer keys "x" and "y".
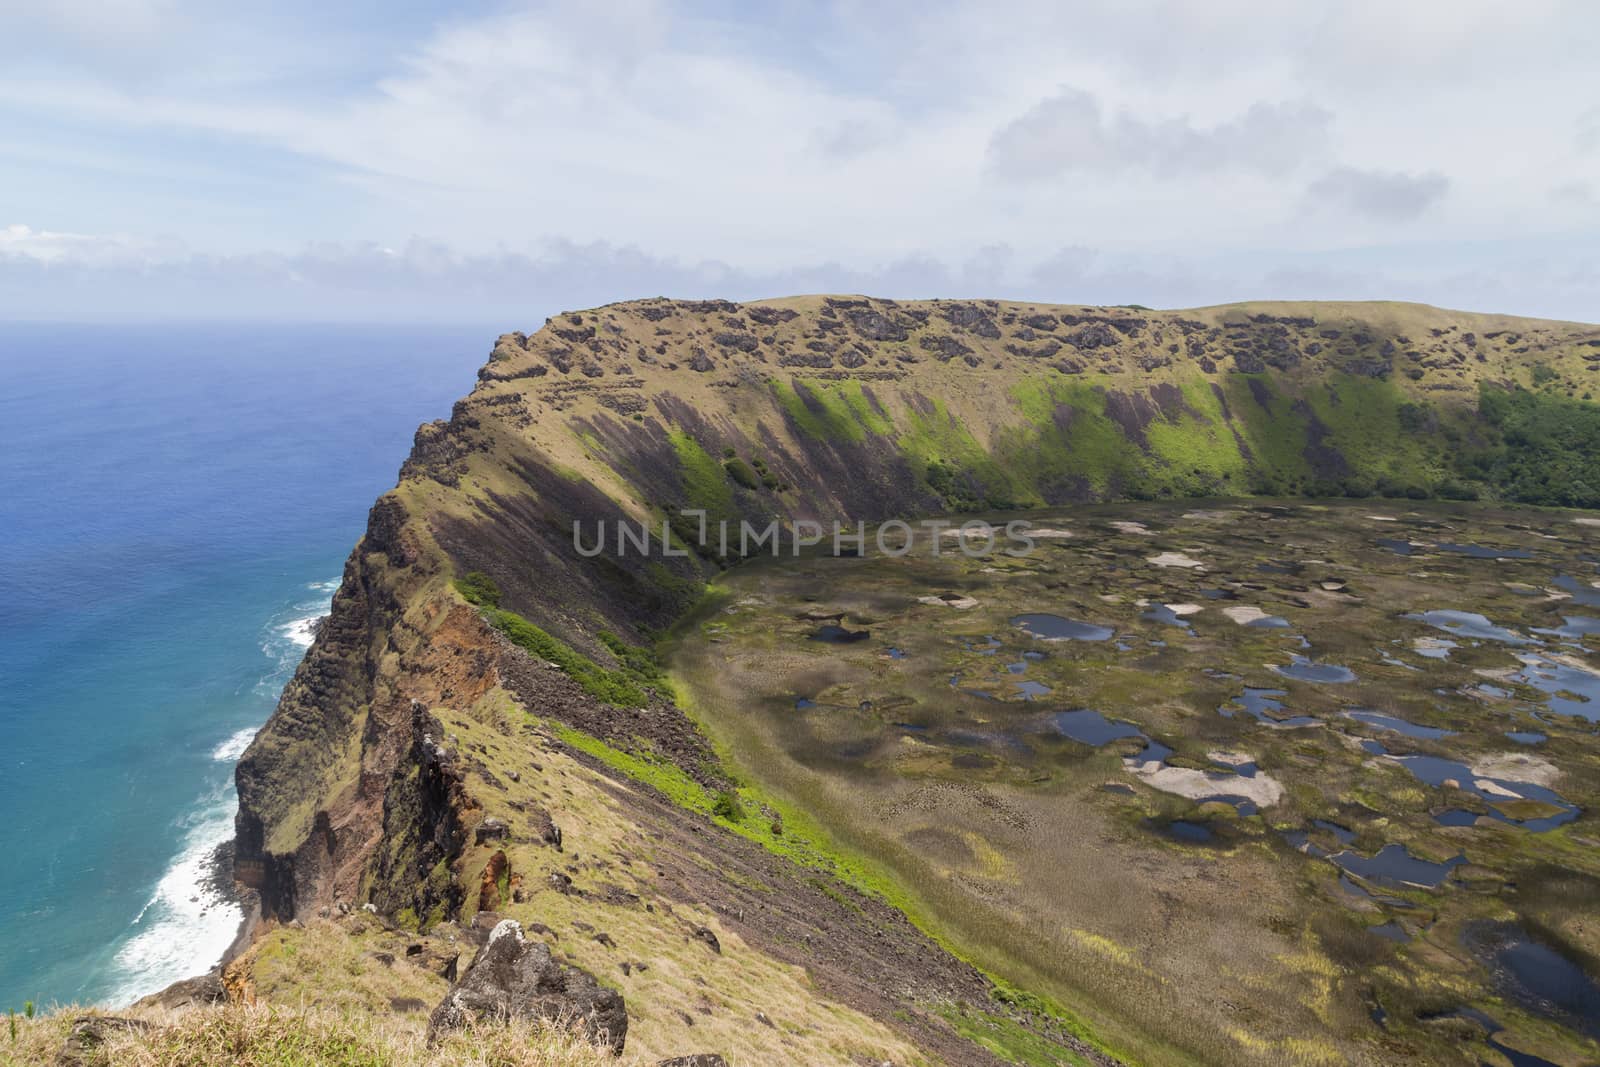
{"x": 641, "y": 661}
{"x": 620, "y": 688}
{"x": 740, "y": 472}
{"x": 727, "y": 806}
{"x": 478, "y": 588}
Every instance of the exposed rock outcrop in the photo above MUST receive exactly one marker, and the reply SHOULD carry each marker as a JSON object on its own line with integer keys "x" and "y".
{"x": 201, "y": 992}
{"x": 514, "y": 978}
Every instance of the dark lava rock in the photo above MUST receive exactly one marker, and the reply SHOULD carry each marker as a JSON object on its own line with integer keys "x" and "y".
{"x": 514, "y": 978}
{"x": 702, "y": 933}
{"x": 190, "y": 993}
{"x": 805, "y": 359}
{"x": 766, "y": 316}
{"x": 1094, "y": 335}
{"x": 1248, "y": 363}
{"x": 701, "y": 363}
{"x": 575, "y": 336}
{"x": 972, "y": 318}
{"x": 744, "y": 342}
{"x": 876, "y": 326}
{"x": 549, "y": 832}
{"x": 943, "y": 346}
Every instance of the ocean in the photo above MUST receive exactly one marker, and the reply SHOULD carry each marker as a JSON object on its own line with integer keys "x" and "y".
{"x": 176, "y": 504}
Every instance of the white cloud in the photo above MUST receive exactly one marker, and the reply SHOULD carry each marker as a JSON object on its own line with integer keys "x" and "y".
{"x": 1588, "y": 137}
{"x": 21, "y": 242}
{"x": 1384, "y": 196}
{"x": 1068, "y": 132}
{"x": 776, "y": 135}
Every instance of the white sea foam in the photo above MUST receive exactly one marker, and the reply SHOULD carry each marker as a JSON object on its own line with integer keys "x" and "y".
{"x": 231, "y": 749}
{"x": 186, "y": 925}
{"x": 301, "y": 632}
{"x": 290, "y": 632}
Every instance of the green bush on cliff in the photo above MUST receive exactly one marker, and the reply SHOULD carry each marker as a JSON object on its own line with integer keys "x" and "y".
{"x": 740, "y": 472}
{"x": 623, "y": 688}
{"x": 639, "y": 661}
{"x": 727, "y": 806}
{"x": 478, "y": 588}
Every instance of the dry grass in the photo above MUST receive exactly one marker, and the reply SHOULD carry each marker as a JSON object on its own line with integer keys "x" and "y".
{"x": 278, "y": 1037}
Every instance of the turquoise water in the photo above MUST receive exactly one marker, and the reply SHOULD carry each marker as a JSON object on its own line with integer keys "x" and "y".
{"x": 176, "y": 503}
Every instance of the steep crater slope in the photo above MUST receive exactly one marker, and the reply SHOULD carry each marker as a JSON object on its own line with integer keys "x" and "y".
{"x": 430, "y": 708}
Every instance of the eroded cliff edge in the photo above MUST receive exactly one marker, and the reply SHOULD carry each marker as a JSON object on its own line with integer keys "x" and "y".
{"x": 396, "y": 741}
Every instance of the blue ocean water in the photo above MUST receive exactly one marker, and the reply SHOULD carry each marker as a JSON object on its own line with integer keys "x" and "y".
{"x": 176, "y": 503}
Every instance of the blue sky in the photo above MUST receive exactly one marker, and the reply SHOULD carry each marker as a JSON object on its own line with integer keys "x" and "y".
{"x": 501, "y": 161}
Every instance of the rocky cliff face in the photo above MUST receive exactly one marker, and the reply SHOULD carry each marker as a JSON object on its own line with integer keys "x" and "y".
{"x": 360, "y": 788}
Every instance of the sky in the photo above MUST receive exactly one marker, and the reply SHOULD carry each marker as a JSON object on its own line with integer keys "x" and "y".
{"x": 503, "y": 161}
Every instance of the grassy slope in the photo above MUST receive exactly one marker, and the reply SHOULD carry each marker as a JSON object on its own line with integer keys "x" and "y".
{"x": 264, "y": 1036}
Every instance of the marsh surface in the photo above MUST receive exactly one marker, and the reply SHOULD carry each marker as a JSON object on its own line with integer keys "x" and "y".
{"x": 1234, "y": 783}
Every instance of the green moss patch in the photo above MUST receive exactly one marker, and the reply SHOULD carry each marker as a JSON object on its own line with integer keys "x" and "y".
{"x": 623, "y": 688}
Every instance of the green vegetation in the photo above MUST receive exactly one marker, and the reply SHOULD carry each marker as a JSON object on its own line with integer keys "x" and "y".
{"x": 1347, "y": 436}
{"x": 1365, "y": 420}
{"x": 1008, "y": 1039}
{"x": 832, "y": 411}
{"x": 1274, "y": 432}
{"x": 1074, "y": 444}
{"x": 705, "y": 482}
{"x": 623, "y": 688}
{"x": 678, "y": 591}
{"x": 792, "y": 833}
{"x": 641, "y": 662}
{"x": 1548, "y": 452}
{"x": 956, "y": 467}
{"x": 1197, "y": 447}
{"x": 478, "y": 588}
{"x": 740, "y": 472}
{"x": 727, "y": 806}
{"x": 768, "y": 479}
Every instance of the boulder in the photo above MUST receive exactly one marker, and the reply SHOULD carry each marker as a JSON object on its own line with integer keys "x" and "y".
{"x": 704, "y": 934}
{"x": 492, "y": 829}
{"x": 199, "y": 992}
{"x": 514, "y": 978}
{"x": 702, "y": 1059}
